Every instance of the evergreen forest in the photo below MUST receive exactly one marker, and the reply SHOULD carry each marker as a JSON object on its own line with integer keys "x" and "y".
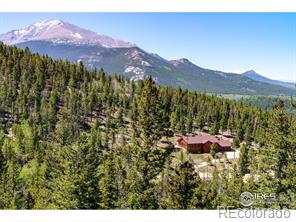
{"x": 75, "y": 138}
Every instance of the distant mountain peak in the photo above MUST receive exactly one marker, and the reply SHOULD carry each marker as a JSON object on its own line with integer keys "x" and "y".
{"x": 49, "y": 22}
{"x": 59, "y": 31}
{"x": 250, "y": 72}
{"x": 258, "y": 77}
{"x": 62, "y": 40}
{"x": 184, "y": 60}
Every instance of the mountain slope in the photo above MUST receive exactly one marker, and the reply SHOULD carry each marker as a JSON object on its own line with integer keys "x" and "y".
{"x": 216, "y": 81}
{"x": 137, "y": 64}
{"x": 62, "y": 40}
{"x": 255, "y": 76}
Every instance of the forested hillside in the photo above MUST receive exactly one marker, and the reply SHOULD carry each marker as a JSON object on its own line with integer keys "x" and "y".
{"x": 136, "y": 63}
{"x": 266, "y": 102}
{"x": 72, "y": 138}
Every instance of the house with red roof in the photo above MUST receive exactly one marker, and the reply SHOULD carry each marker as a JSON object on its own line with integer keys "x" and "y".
{"x": 202, "y": 144}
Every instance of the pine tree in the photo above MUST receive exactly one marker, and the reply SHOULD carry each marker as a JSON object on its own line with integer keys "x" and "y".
{"x": 200, "y": 122}
{"x": 236, "y": 142}
{"x": 148, "y": 159}
{"x": 107, "y": 183}
{"x": 248, "y": 136}
{"x": 240, "y": 131}
{"x": 189, "y": 124}
{"x": 215, "y": 128}
{"x": 63, "y": 186}
{"x": 179, "y": 187}
{"x": 275, "y": 155}
{"x": 243, "y": 159}
{"x": 214, "y": 149}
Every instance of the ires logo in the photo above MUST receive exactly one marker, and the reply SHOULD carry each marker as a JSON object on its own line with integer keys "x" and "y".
{"x": 247, "y": 198}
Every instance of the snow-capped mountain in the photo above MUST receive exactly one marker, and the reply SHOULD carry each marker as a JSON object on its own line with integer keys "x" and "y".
{"x": 62, "y": 40}
{"x": 59, "y": 31}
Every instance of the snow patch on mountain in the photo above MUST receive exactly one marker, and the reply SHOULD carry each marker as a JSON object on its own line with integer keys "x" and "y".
{"x": 134, "y": 69}
{"x": 135, "y": 55}
{"x": 139, "y": 73}
{"x": 77, "y": 35}
{"x": 48, "y": 23}
{"x": 145, "y": 63}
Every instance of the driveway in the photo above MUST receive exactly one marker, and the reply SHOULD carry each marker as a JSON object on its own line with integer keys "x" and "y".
{"x": 232, "y": 154}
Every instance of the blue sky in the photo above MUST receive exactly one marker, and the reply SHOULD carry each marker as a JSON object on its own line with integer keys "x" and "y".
{"x": 265, "y": 42}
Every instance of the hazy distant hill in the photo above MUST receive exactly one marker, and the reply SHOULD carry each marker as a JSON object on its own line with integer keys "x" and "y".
{"x": 255, "y": 76}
